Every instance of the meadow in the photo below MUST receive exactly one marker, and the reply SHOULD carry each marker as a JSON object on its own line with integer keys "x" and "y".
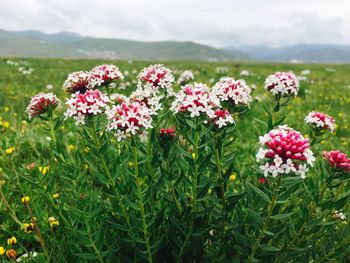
{"x": 76, "y": 194}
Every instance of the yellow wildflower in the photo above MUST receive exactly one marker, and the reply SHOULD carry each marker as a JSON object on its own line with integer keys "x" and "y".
{"x": 44, "y": 169}
{"x": 6, "y": 109}
{"x": 12, "y": 241}
{"x": 10, "y": 150}
{"x": 2, "y": 250}
{"x": 53, "y": 222}
{"x": 6, "y": 124}
{"x": 56, "y": 196}
{"x": 233, "y": 177}
{"x": 194, "y": 156}
{"x": 28, "y": 228}
{"x": 25, "y": 199}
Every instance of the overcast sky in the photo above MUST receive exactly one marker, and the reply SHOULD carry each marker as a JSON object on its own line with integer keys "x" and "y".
{"x": 215, "y": 22}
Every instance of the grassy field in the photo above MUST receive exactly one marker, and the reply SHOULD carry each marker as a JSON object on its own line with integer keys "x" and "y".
{"x": 22, "y": 142}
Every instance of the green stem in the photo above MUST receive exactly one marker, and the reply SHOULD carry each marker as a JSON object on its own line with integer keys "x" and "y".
{"x": 141, "y": 204}
{"x": 222, "y": 186}
{"x": 267, "y": 220}
{"x": 150, "y": 167}
{"x": 297, "y": 235}
{"x": 194, "y": 193}
{"x": 115, "y": 188}
{"x": 92, "y": 242}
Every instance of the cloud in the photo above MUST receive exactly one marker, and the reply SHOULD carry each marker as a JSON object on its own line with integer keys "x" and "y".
{"x": 218, "y": 23}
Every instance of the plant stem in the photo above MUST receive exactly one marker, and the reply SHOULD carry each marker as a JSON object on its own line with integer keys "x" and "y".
{"x": 194, "y": 193}
{"x": 296, "y": 237}
{"x": 218, "y": 152}
{"x": 92, "y": 242}
{"x": 8, "y": 207}
{"x": 267, "y": 220}
{"x": 37, "y": 231}
{"x": 115, "y": 188}
{"x": 141, "y": 204}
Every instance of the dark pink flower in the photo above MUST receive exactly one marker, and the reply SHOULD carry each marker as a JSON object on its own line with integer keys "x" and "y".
{"x": 338, "y": 160}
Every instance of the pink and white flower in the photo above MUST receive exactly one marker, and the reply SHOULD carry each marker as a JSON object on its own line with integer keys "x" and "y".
{"x": 282, "y": 84}
{"x": 222, "y": 118}
{"x": 129, "y": 119}
{"x": 156, "y": 77}
{"x": 80, "y": 106}
{"x": 185, "y": 77}
{"x": 148, "y": 97}
{"x": 103, "y": 75}
{"x": 195, "y": 100}
{"x": 338, "y": 160}
{"x": 42, "y": 103}
{"x": 233, "y": 91}
{"x": 321, "y": 121}
{"x": 284, "y": 151}
{"x": 77, "y": 82}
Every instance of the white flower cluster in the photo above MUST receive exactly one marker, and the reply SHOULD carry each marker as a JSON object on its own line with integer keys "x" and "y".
{"x": 282, "y": 84}
{"x": 185, "y": 76}
{"x": 195, "y": 99}
{"x": 233, "y": 91}
{"x": 284, "y": 151}
{"x": 156, "y": 77}
{"x": 128, "y": 119}
{"x": 80, "y": 106}
{"x": 320, "y": 120}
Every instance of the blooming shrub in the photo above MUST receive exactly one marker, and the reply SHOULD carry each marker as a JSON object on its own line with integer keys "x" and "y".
{"x": 146, "y": 177}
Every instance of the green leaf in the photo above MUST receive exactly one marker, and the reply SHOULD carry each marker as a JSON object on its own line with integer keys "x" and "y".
{"x": 258, "y": 192}
{"x": 282, "y": 216}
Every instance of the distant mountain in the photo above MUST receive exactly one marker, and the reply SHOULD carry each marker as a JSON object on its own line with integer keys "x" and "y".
{"x": 71, "y": 45}
{"x": 313, "y": 53}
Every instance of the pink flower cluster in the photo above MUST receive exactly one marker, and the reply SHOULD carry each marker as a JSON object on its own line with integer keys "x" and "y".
{"x": 338, "y": 160}
{"x": 222, "y": 118}
{"x": 80, "y": 106}
{"x": 156, "y": 77}
{"x": 233, "y": 91}
{"x": 282, "y": 84}
{"x": 195, "y": 100}
{"x": 320, "y": 121}
{"x": 129, "y": 118}
{"x": 104, "y": 74}
{"x": 284, "y": 151}
{"x": 83, "y": 80}
{"x": 42, "y": 103}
